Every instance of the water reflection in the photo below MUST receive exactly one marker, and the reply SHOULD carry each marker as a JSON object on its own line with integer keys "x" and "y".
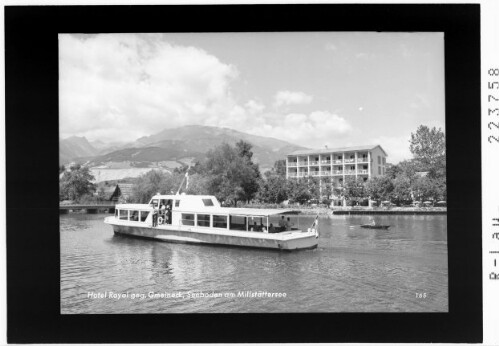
{"x": 353, "y": 269}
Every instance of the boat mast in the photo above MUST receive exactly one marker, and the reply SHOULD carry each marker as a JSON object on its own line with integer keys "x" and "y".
{"x": 186, "y": 178}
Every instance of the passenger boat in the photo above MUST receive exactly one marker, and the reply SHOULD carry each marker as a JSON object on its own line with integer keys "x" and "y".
{"x": 202, "y": 220}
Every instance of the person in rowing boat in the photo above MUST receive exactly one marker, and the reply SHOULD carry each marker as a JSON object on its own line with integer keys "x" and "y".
{"x": 373, "y": 223}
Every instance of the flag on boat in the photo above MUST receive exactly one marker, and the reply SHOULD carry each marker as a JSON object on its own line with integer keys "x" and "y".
{"x": 315, "y": 226}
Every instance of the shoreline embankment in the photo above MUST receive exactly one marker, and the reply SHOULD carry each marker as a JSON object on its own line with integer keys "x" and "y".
{"x": 324, "y": 211}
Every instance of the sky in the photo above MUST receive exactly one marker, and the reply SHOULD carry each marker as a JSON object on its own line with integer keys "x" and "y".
{"x": 313, "y": 89}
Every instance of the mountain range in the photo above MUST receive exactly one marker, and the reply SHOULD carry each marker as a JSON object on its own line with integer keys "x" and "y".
{"x": 180, "y": 145}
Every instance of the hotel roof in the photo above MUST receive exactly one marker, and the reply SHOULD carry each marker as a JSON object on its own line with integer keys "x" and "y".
{"x": 335, "y": 150}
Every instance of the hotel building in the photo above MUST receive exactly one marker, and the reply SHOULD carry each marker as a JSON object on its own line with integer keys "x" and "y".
{"x": 362, "y": 162}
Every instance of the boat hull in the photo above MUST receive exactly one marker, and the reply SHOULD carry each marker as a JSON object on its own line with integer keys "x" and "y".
{"x": 169, "y": 234}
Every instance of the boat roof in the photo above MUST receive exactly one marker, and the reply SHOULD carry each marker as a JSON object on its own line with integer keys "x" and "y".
{"x": 134, "y": 206}
{"x": 249, "y": 211}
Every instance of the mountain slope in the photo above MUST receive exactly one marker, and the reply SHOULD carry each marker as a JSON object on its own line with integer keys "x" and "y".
{"x": 74, "y": 147}
{"x": 192, "y": 142}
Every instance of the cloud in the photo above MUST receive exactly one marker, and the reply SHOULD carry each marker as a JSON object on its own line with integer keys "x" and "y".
{"x": 286, "y": 97}
{"x": 254, "y": 106}
{"x": 120, "y": 87}
{"x": 116, "y": 86}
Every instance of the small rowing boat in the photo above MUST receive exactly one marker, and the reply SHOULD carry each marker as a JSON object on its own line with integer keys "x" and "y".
{"x": 375, "y": 226}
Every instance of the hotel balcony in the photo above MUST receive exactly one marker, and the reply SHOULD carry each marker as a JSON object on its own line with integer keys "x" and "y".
{"x": 326, "y": 173}
{"x": 350, "y": 172}
{"x": 337, "y": 162}
{"x": 302, "y": 163}
{"x": 292, "y": 164}
{"x": 362, "y": 160}
{"x": 349, "y": 160}
{"x": 292, "y": 175}
{"x": 300, "y": 175}
{"x": 338, "y": 172}
{"x": 314, "y": 163}
{"x": 314, "y": 173}
{"x": 363, "y": 171}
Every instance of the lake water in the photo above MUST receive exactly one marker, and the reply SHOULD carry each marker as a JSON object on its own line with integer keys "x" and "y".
{"x": 403, "y": 269}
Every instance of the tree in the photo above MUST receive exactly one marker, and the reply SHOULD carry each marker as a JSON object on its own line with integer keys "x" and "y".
{"x": 401, "y": 190}
{"x": 76, "y": 183}
{"x": 379, "y": 188}
{"x": 353, "y": 189}
{"x": 428, "y": 189}
{"x": 327, "y": 190}
{"x": 231, "y": 174}
{"x": 298, "y": 191}
{"x": 428, "y": 148}
{"x": 153, "y": 182}
{"x": 273, "y": 189}
{"x": 280, "y": 168}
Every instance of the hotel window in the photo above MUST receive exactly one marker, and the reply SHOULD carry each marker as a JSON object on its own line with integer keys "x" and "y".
{"x": 379, "y": 160}
{"x": 379, "y": 170}
{"x": 219, "y": 221}
{"x": 134, "y": 215}
{"x": 204, "y": 220}
{"x": 384, "y": 160}
{"x": 123, "y": 214}
{"x": 188, "y": 219}
{"x": 143, "y": 215}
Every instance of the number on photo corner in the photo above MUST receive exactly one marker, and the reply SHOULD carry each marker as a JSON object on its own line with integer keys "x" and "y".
{"x": 421, "y": 295}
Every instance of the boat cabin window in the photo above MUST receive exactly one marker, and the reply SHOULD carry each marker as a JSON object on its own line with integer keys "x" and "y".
{"x": 177, "y": 203}
{"x": 154, "y": 203}
{"x": 123, "y": 214}
{"x": 238, "y": 223}
{"x": 203, "y": 220}
{"x": 143, "y": 215}
{"x": 220, "y": 221}
{"x": 134, "y": 215}
{"x": 208, "y": 202}
{"x": 188, "y": 219}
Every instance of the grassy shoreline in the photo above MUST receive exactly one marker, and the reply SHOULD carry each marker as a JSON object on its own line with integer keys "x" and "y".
{"x": 324, "y": 211}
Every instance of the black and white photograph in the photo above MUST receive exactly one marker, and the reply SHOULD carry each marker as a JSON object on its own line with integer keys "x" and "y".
{"x": 252, "y": 172}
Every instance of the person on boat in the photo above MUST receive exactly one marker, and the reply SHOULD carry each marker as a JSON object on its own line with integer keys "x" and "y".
{"x": 169, "y": 211}
{"x": 282, "y": 224}
{"x": 289, "y": 224}
{"x": 154, "y": 217}
{"x": 271, "y": 228}
{"x": 162, "y": 211}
